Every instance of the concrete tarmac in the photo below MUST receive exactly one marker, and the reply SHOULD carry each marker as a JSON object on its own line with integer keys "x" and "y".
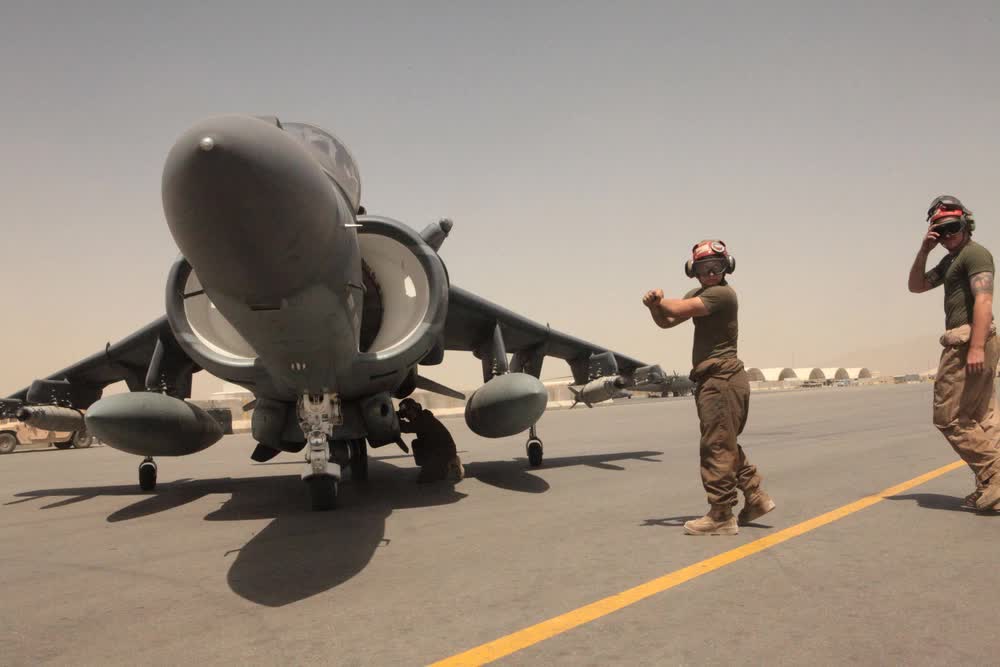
{"x": 225, "y": 564}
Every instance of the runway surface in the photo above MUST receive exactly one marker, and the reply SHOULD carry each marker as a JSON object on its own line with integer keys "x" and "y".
{"x": 225, "y": 564}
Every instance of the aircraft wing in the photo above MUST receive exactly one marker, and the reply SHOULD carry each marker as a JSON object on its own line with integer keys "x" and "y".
{"x": 129, "y": 359}
{"x": 473, "y": 322}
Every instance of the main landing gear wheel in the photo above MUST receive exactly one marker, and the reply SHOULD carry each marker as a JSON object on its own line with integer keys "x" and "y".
{"x": 359, "y": 460}
{"x": 323, "y": 492}
{"x": 535, "y": 452}
{"x": 147, "y": 474}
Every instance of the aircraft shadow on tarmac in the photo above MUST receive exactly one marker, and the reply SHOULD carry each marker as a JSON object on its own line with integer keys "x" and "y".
{"x": 302, "y": 553}
{"x": 514, "y": 475}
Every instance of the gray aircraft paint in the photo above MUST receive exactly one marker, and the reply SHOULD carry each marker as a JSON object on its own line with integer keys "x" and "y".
{"x": 269, "y": 293}
{"x": 150, "y": 424}
{"x": 506, "y": 405}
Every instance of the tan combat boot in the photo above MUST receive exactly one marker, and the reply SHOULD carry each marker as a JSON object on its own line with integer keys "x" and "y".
{"x": 969, "y": 502}
{"x": 756, "y": 505}
{"x": 456, "y": 471}
{"x": 718, "y": 521}
{"x": 990, "y": 497}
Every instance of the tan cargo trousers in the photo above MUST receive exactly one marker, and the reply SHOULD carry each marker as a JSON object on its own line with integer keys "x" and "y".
{"x": 723, "y": 400}
{"x": 965, "y": 405}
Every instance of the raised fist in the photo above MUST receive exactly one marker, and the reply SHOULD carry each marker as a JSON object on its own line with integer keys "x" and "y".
{"x": 652, "y": 297}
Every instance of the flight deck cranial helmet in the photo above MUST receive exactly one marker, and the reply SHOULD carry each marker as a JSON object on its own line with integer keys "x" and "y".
{"x": 949, "y": 214}
{"x": 709, "y": 250}
{"x": 408, "y": 403}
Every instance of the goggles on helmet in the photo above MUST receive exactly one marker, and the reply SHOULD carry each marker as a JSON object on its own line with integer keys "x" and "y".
{"x": 707, "y": 267}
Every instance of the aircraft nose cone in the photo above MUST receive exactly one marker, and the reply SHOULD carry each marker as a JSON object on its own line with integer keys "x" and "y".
{"x": 245, "y": 201}
{"x": 215, "y": 172}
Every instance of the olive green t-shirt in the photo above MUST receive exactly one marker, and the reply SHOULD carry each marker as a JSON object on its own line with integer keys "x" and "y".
{"x": 954, "y": 271}
{"x": 715, "y": 334}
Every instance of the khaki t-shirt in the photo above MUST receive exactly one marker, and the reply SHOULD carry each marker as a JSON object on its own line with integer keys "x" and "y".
{"x": 715, "y": 334}
{"x": 954, "y": 271}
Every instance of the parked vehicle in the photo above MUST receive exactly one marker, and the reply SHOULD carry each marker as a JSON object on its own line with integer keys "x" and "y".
{"x": 14, "y": 433}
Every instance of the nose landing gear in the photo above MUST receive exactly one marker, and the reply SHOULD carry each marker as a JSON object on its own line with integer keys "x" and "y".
{"x": 318, "y": 415}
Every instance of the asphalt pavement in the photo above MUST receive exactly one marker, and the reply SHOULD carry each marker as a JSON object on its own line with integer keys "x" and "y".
{"x": 225, "y": 564}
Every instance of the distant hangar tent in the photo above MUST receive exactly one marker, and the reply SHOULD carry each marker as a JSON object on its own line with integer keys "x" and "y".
{"x": 770, "y": 374}
{"x": 779, "y": 374}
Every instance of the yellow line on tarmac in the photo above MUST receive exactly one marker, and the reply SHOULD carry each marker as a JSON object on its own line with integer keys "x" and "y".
{"x": 534, "y": 634}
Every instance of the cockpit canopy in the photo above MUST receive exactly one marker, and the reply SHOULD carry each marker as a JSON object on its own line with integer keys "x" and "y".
{"x": 332, "y": 155}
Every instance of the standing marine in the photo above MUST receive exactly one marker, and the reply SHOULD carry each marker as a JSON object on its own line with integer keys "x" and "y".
{"x": 722, "y": 392}
{"x": 965, "y": 404}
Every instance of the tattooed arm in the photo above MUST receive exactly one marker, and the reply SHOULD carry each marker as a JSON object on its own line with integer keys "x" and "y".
{"x": 982, "y": 316}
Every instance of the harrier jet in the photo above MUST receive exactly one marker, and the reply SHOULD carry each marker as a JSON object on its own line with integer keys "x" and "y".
{"x": 285, "y": 287}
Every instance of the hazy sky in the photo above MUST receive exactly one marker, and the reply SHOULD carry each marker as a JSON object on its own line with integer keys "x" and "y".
{"x": 581, "y": 149}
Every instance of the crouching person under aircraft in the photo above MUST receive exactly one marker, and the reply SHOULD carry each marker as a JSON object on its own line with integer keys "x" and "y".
{"x": 723, "y": 392}
{"x": 433, "y": 448}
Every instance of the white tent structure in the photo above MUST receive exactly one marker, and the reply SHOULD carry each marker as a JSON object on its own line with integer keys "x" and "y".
{"x": 769, "y": 374}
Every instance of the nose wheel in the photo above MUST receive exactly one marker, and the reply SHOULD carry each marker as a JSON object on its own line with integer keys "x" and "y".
{"x": 322, "y": 492}
{"x": 147, "y": 474}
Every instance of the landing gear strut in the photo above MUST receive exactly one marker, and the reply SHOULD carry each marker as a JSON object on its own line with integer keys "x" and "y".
{"x": 534, "y": 448}
{"x": 318, "y": 415}
{"x": 147, "y": 474}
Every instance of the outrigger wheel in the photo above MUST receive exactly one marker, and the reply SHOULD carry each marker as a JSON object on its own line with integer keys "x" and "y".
{"x": 534, "y": 448}
{"x": 535, "y": 452}
{"x": 147, "y": 474}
